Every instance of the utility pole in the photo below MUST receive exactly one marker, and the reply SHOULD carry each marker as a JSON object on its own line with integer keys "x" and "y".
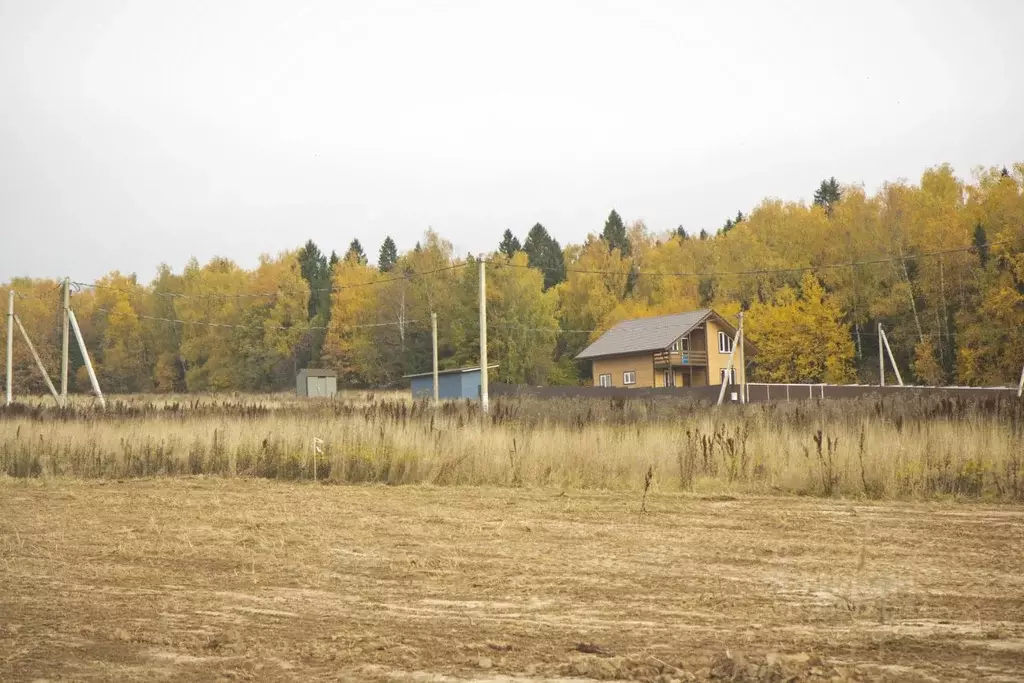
{"x": 64, "y": 346}
{"x": 484, "y": 403}
{"x": 881, "y": 358}
{"x": 743, "y": 364}
{"x": 433, "y": 334}
{"x": 892, "y": 359}
{"x": 10, "y": 343}
{"x": 85, "y": 357}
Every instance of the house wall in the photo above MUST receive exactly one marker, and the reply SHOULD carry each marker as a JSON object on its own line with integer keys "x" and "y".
{"x": 718, "y": 361}
{"x": 641, "y": 363}
{"x": 682, "y": 377}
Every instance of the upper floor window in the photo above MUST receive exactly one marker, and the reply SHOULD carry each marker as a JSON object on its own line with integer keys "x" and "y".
{"x": 724, "y": 343}
{"x": 681, "y": 345}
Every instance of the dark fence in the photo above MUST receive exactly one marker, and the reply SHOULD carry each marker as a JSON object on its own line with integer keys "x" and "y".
{"x": 761, "y": 393}
{"x": 706, "y": 394}
{"x": 756, "y": 393}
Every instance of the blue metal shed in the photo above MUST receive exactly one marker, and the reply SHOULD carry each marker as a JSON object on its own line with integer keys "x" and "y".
{"x": 458, "y": 383}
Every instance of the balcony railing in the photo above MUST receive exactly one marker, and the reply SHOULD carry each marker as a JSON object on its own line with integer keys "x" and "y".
{"x": 670, "y": 358}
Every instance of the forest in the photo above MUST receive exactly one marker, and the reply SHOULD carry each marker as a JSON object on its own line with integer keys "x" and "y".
{"x": 939, "y": 263}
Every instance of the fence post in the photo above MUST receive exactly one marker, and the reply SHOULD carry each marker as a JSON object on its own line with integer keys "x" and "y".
{"x": 10, "y": 344}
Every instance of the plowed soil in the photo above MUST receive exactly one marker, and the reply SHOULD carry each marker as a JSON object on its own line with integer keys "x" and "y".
{"x": 210, "y": 579}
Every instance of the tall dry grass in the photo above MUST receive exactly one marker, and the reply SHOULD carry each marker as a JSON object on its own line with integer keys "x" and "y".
{"x": 876, "y": 448}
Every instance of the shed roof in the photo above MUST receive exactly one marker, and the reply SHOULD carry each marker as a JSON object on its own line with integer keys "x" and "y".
{"x": 316, "y": 372}
{"x": 453, "y": 371}
{"x": 645, "y": 334}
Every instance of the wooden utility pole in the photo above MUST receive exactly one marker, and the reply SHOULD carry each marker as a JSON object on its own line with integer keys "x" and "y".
{"x": 10, "y": 344}
{"x": 743, "y": 363}
{"x": 64, "y": 346}
{"x": 38, "y": 360}
{"x": 892, "y": 359}
{"x": 881, "y": 358}
{"x": 85, "y": 356}
{"x": 433, "y": 334}
{"x": 729, "y": 366}
{"x": 484, "y": 403}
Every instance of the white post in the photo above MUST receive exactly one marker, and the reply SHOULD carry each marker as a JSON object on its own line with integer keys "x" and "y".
{"x": 433, "y": 334}
{"x": 64, "y": 346}
{"x": 728, "y": 368}
{"x": 10, "y": 344}
{"x": 88, "y": 363}
{"x": 484, "y": 403}
{"x": 1020, "y": 385}
{"x": 881, "y": 358}
{"x": 891, "y": 359}
{"x": 39, "y": 362}
{"x": 743, "y": 363}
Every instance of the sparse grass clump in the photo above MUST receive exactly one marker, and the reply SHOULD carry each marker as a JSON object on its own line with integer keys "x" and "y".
{"x": 911, "y": 447}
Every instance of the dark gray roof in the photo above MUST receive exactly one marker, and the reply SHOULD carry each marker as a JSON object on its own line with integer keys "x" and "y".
{"x": 644, "y": 334}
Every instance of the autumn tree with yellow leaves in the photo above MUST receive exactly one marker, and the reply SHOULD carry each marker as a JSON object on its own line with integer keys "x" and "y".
{"x": 938, "y": 262}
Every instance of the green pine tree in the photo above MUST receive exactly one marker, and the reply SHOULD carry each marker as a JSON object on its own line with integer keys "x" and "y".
{"x": 544, "y": 252}
{"x": 509, "y": 244}
{"x": 388, "y": 256}
{"x": 828, "y": 195}
{"x": 355, "y": 251}
{"x": 614, "y": 234}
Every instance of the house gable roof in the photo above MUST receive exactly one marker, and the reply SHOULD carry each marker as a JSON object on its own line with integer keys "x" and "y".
{"x": 645, "y": 334}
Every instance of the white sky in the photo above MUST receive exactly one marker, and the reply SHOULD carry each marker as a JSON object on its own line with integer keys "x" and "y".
{"x": 138, "y": 132}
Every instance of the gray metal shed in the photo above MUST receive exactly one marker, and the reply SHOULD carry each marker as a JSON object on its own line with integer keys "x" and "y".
{"x": 316, "y": 383}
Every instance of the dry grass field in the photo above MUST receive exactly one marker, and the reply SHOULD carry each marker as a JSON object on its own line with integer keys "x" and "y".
{"x": 878, "y": 449}
{"x": 214, "y": 578}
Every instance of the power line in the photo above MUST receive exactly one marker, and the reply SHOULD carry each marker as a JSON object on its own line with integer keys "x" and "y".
{"x": 747, "y": 273}
{"x": 141, "y": 289}
{"x": 203, "y": 323}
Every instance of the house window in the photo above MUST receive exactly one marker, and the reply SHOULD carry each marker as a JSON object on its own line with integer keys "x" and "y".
{"x": 724, "y": 343}
{"x": 732, "y": 375}
{"x": 605, "y": 380}
{"x": 670, "y": 378}
{"x": 629, "y": 378}
{"x": 681, "y": 345}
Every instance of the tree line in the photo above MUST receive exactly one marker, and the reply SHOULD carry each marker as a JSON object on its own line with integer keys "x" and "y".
{"x": 939, "y": 263}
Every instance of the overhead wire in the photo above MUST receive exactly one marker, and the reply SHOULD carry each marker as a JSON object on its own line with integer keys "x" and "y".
{"x": 754, "y": 272}
{"x": 302, "y": 327}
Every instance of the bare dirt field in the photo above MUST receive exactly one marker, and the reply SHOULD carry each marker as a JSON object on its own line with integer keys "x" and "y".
{"x": 210, "y": 579}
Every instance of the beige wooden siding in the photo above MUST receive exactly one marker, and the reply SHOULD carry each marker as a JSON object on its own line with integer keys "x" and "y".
{"x": 717, "y": 361}
{"x": 641, "y": 363}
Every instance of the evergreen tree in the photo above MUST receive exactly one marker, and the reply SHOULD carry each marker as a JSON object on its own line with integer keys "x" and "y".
{"x": 544, "y": 252}
{"x": 317, "y": 273}
{"x": 614, "y": 234}
{"x": 509, "y": 244}
{"x": 828, "y": 195}
{"x": 388, "y": 255}
{"x": 703, "y": 234}
{"x": 355, "y": 251}
{"x": 981, "y": 244}
{"x": 334, "y": 259}
{"x": 680, "y": 233}
{"x": 733, "y": 222}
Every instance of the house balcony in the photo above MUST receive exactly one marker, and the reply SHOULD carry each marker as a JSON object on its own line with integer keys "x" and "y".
{"x": 667, "y": 359}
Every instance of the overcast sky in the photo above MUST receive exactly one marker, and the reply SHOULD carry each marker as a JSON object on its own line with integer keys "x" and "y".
{"x": 137, "y": 132}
